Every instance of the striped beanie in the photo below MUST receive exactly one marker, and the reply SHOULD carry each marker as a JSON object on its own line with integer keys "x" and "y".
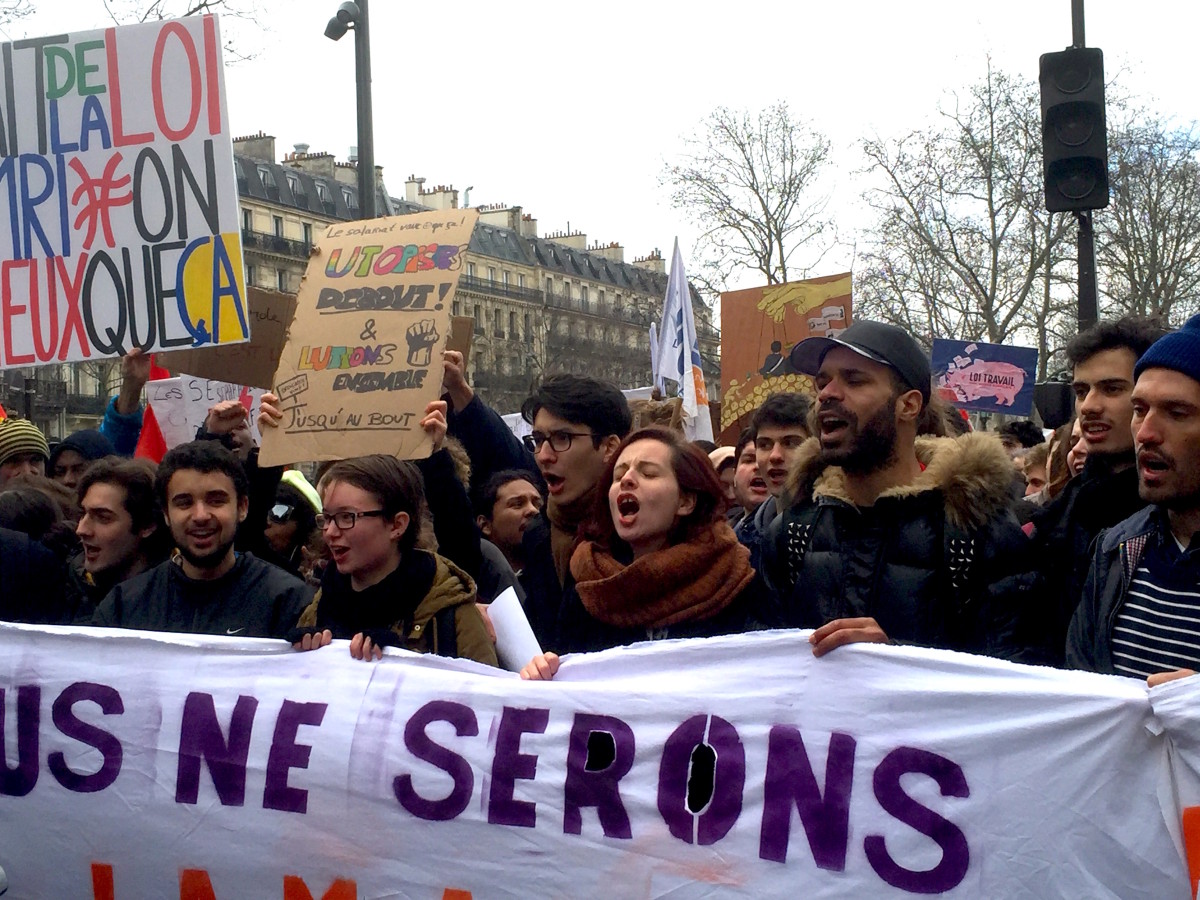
{"x": 21, "y": 436}
{"x": 1179, "y": 350}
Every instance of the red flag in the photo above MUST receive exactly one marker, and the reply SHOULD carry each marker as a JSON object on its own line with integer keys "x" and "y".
{"x": 151, "y": 445}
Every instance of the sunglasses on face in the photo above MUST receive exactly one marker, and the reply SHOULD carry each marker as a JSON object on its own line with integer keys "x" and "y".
{"x": 281, "y": 513}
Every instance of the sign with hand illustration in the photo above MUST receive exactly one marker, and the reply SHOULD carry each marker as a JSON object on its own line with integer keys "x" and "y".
{"x": 363, "y": 357}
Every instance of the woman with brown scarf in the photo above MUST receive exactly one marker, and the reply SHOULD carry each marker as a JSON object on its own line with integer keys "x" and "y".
{"x": 658, "y": 559}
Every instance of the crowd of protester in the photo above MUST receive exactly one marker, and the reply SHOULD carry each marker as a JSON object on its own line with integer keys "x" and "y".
{"x": 869, "y": 511}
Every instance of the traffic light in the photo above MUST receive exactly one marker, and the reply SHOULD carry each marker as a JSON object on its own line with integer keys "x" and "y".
{"x": 1074, "y": 142}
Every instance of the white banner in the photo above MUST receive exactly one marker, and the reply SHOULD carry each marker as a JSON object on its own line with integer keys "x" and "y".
{"x": 160, "y": 766}
{"x": 181, "y": 405}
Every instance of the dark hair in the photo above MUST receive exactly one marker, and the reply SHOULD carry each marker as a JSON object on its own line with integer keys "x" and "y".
{"x": 63, "y": 496}
{"x": 782, "y": 411}
{"x": 695, "y": 475}
{"x": 485, "y": 498}
{"x": 1134, "y": 333}
{"x": 582, "y": 401}
{"x": 748, "y": 436}
{"x": 136, "y": 476}
{"x": 397, "y": 484}
{"x": 200, "y": 456}
{"x": 1023, "y": 432}
{"x": 28, "y": 510}
{"x": 1058, "y": 473}
{"x": 706, "y": 446}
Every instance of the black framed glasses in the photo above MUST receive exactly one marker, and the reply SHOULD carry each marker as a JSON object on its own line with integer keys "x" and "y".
{"x": 281, "y": 513}
{"x": 560, "y": 441}
{"x": 346, "y": 519}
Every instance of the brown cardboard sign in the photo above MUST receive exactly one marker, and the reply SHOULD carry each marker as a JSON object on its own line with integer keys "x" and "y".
{"x": 462, "y": 332}
{"x": 364, "y": 354}
{"x": 251, "y": 364}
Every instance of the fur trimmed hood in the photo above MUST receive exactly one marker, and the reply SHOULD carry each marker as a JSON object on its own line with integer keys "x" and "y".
{"x": 972, "y": 471}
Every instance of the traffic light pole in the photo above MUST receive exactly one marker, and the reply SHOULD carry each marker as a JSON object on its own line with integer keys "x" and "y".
{"x": 1089, "y": 309}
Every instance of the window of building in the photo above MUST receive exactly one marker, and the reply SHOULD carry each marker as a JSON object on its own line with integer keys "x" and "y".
{"x": 351, "y": 199}
{"x": 601, "y": 299}
{"x": 470, "y": 270}
{"x": 499, "y": 322}
{"x": 549, "y": 285}
{"x": 583, "y": 295}
{"x": 528, "y": 335}
{"x": 277, "y": 222}
{"x": 520, "y": 280}
{"x": 491, "y": 274}
{"x": 247, "y": 220}
{"x": 566, "y": 289}
{"x": 307, "y": 227}
{"x": 477, "y": 365}
{"x": 456, "y": 308}
{"x": 504, "y": 276}
{"x": 267, "y": 177}
{"x": 281, "y": 280}
{"x": 297, "y": 188}
{"x": 512, "y": 325}
{"x": 250, "y": 275}
{"x": 322, "y": 191}
{"x": 475, "y": 312}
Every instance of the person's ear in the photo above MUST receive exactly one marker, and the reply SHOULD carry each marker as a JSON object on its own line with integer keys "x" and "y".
{"x": 243, "y": 509}
{"x": 398, "y": 526}
{"x": 687, "y": 504}
{"x": 484, "y": 525}
{"x": 608, "y": 446}
{"x": 908, "y": 406}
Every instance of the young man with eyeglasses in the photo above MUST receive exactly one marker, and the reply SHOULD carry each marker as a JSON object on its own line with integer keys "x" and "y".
{"x": 577, "y": 424}
{"x": 208, "y": 588}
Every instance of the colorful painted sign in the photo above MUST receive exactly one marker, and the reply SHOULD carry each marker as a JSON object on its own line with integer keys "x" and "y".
{"x": 116, "y": 174}
{"x": 759, "y": 327}
{"x": 364, "y": 354}
{"x": 985, "y": 377}
{"x": 150, "y": 765}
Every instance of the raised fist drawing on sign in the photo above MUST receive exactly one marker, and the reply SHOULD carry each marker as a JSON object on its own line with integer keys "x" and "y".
{"x": 421, "y": 337}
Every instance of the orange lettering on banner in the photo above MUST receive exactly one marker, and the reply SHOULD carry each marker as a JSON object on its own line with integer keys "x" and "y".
{"x": 1191, "y": 843}
{"x": 194, "y": 885}
{"x": 102, "y": 881}
{"x": 455, "y": 894}
{"x": 294, "y": 888}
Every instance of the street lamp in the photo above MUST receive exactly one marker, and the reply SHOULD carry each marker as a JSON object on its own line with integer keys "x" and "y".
{"x": 353, "y": 15}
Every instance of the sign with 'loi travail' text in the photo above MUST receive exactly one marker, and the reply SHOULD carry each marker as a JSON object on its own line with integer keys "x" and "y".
{"x": 118, "y": 201}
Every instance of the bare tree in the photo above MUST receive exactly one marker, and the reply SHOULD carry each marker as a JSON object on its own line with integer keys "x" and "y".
{"x": 11, "y": 10}
{"x": 962, "y": 246}
{"x": 1148, "y": 239}
{"x": 750, "y": 182}
{"x": 237, "y": 16}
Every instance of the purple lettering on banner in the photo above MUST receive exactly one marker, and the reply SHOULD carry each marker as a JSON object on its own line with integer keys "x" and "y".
{"x": 790, "y": 780}
{"x": 110, "y": 748}
{"x": 423, "y": 748}
{"x": 956, "y": 855}
{"x": 200, "y": 737}
{"x": 713, "y": 822}
{"x": 510, "y": 764}
{"x": 286, "y": 754}
{"x": 597, "y": 787}
{"x": 19, "y": 781}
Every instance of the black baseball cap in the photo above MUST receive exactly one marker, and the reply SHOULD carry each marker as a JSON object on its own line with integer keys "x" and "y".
{"x": 876, "y": 341}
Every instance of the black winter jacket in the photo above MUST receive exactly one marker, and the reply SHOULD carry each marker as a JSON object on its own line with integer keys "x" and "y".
{"x": 1063, "y": 536}
{"x": 940, "y": 562}
{"x": 1118, "y": 553}
{"x": 253, "y": 599}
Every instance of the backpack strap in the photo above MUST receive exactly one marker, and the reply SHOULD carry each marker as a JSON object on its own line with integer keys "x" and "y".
{"x": 445, "y": 625}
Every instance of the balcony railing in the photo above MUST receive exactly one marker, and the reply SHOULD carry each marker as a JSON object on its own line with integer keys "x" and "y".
{"x": 498, "y": 289}
{"x": 273, "y": 243}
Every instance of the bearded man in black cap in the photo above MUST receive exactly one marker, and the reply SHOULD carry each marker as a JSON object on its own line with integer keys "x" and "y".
{"x": 891, "y": 537}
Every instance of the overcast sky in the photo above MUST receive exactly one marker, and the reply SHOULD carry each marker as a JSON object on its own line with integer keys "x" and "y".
{"x": 570, "y": 110}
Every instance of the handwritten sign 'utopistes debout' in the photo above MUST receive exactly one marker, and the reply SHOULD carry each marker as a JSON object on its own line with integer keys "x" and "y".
{"x": 364, "y": 354}
{"x": 117, "y": 177}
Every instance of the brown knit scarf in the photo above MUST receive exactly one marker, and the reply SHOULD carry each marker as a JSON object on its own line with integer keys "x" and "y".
{"x": 689, "y": 581}
{"x": 565, "y": 519}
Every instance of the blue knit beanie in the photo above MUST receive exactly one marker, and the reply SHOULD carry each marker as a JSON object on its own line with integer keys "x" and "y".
{"x": 1179, "y": 350}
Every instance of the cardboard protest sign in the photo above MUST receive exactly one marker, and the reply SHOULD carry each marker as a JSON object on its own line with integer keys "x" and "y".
{"x": 191, "y": 766}
{"x": 364, "y": 354}
{"x": 985, "y": 377}
{"x": 181, "y": 405}
{"x": 462, "y": 332}
{"x": 759, "y": 327}
{"x": 118, "y": 218}
{"x": 253, "y": 363}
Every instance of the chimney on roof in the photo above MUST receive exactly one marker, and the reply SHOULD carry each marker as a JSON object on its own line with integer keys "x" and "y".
{"x": 300, "y": 148}
{"x": 413, "y": 189}
{"x": 353, "y": 157}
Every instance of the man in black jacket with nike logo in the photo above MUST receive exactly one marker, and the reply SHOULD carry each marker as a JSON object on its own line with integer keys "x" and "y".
{"x": 208, "y": 588}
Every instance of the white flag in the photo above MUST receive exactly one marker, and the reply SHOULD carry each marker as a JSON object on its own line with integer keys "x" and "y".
{"x": 679, "y": 352}
{"x": 654, "y": 352}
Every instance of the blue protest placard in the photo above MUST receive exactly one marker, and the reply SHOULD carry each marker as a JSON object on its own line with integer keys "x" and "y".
{"x": 985, "y": 377}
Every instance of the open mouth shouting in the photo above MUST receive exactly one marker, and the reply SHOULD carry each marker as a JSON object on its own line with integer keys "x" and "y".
{"x": 627, "y": 508}
{"x": 1152, "y": 466}
{"x": 834, "y": 423}
{"x": 1094, "y": 431}
{"x": 554, "y": 482}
